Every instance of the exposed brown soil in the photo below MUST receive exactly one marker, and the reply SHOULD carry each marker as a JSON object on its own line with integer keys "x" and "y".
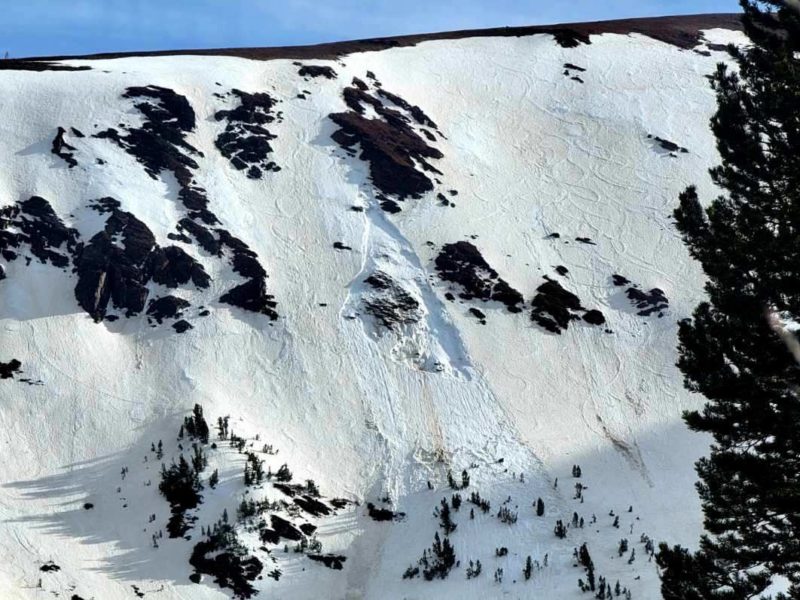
{"x": 682, "y": 31}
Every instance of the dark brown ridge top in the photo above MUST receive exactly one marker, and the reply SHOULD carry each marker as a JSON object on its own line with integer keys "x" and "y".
{"x": 682, "y": 31}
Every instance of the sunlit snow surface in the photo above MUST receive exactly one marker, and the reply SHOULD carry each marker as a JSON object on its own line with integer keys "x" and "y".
{"x": 363, "y": 412}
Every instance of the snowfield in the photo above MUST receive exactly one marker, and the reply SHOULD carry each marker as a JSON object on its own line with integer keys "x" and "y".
{"x": 367, "y": 411}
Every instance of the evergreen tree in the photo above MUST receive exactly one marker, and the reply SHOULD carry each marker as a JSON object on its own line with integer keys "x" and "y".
{"x": 528, "y": 570}
{"x": 438, "y": 562}
{"x": 451, "y": 480}
{"x": 539, "y": 508}
{"x": 560, "y": 530}
{"x": 222, "y": 427}
{"x": 254, "y": 471}
{"x": 731, "y": 350}
{"x": 199, "y": 459}
{"x": 587, "y": 563}
{"x": 195, "y": 426}
{"x": 445, "y": 520}
{"x": 474, "y": 569}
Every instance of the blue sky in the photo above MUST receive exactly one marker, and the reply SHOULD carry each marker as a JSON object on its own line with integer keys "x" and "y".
{"x": 47, "y": 27}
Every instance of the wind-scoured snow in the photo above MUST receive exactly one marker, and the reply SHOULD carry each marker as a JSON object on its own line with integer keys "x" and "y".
{"x": 366, "y": 410}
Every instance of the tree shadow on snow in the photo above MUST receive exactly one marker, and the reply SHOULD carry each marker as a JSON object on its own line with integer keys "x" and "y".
{"x": 93, "y": 503}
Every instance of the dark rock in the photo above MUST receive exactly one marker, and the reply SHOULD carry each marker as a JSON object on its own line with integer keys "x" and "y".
{"x": 478, "y": 313}
{"x": 88, "y": 506}
{"x": 244, "y": 260}
{"x": 312, "y": 506}
{"x": 462, "y": 263}
{"x": 317, "y": 71}
{"x": 284, "y": 529}
{"x": 619, "y": 280}
{"x": 390, "y": 303}
{"x": 554, "y": 307}
{"x": 666, "y": 144}
{"x": 7, "y": 369}
{"x": 415, "y": 111}
{"x": 179, "y": 237}
{"x": 332, "y": 561}
{"x": 245, "y": 141}
{"x": 388, "y": 143}
{"x": 383, "y": 514}
{"x": 171, "y": 267}
{"x": 40, "y": 229}
{"x": 168, "y": 107}
{"x": 290, "y": 489}
{"x": 585, "y": 240}
{"x": 202, "y": 234}
{"x": 166, "y": 307}
{"x": 594, "y": 317}
{"x": 182, "y": 326}
{"x": 108, "y": 272}
{"x": 553, "y": 236}
{"x": 62, "y": 149}
{"x": 341, "y": 246}
{"x": 268, "y": 536}
{"x": 570, "y": 38}
{"x": 390, "y": 206}
{"x": 160, "y": 143}
{"x": 308, "y": 528}
{"x": 572, "y": 67}
{"x": 652, "y": 301}
{"x": 50, "y": 567}
{"x": 340, "y": 503}
{"x": 252, "y": 295}
{"x": 562, "y": 270}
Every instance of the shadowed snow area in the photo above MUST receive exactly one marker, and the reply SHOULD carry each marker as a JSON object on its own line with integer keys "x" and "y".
{"x": 248, "y": 256}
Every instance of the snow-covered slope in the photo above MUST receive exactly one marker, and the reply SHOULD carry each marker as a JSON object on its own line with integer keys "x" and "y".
{"x": 374, "y": 366}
